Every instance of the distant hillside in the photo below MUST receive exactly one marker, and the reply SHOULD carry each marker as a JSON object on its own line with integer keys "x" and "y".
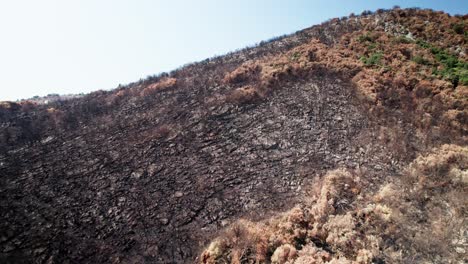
{"x": 359, "y": 124}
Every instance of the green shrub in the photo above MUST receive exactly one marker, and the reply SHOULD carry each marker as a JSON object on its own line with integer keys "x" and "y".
{"x": 366, "y": 37}
{"x": 423, "y": 44}
{"x": 373, "y": 59}
{"x": 372, "y": 46}
{"x": 420, "y": 60}
{"x": 459, "y": 28}
{"x": 403, "y": 40}
{"x": 453, "y": 69}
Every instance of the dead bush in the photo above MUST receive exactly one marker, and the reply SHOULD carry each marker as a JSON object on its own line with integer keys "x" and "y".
{"x": 243, "y": 240}
{"x": 247, "y": 72}
{"x": 244, "y": 94}
{"x": 160, "y": 85}
{"x": 283, "y": 254}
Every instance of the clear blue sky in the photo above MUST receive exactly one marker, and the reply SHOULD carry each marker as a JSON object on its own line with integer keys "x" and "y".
{"x": 74, "y": 46}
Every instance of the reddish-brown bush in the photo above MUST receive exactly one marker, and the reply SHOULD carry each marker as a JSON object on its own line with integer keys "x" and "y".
{"x": 160, "y": 85}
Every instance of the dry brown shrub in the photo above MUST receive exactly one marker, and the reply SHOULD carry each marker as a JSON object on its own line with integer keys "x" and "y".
{"x": 284, "y": 254}
{"x": 339, "y": 188}
{"x": 457, "y": 119}
{"x": 118, "y": 96}
{"x": 160, "y": 85}
{"x": 246, "y": 72}
{"x": 429, "y": 206}
{"x": 244, "y": 94}
{"x": 51, "y": 110}
{"x": 5, "y": 104}
{"x": 243, "y": 240}
{"x": 341, "y": 232}
{"x": 312, "y": 254}
{"x": 439, "y": 162}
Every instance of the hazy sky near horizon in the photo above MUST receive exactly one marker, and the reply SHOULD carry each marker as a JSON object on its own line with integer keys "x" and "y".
{"x": 79, "y": 46}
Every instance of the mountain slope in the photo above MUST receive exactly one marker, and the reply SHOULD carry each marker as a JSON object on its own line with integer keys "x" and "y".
{"x": 152, "y": 171}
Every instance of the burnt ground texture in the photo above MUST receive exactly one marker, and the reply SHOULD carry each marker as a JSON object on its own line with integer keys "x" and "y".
{"x": 150, "y": 172}
{"x": 98, "y": 195}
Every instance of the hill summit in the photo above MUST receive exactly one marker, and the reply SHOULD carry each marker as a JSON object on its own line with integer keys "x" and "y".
{"x": 341, "y": 143}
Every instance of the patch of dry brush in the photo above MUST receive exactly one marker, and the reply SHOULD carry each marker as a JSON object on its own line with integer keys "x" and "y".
{"x": 413, "y": 218}
{"x": 160, "y": 85}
